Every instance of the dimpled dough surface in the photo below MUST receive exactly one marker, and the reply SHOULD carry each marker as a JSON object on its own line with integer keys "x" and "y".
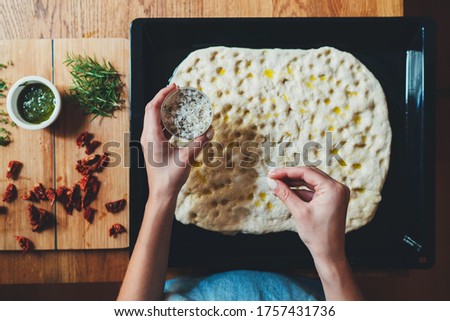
{"x": 294, "y": 96}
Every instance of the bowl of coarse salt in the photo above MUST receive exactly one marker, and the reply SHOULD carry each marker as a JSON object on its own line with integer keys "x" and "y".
{"x": 186, "y": 113}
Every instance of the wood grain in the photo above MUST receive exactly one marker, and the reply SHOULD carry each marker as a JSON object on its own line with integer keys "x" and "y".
{"x": 63, "y": 266}
{"x": 111, "y": 18}
{"x": 73, "y": 232}
{"x": 28, "y": 19}
{"x": 35, "y": 149}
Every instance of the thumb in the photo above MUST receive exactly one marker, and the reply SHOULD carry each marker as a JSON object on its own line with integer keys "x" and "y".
{"x": 193, "y": 149}
{"x": 285, "y": 194}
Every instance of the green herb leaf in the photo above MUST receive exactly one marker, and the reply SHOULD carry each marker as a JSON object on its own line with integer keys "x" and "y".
{"x": 3, "y": 87}
{"x": 96, "y": 87}
{"x": 4, "y": 131}
{"x": 5, "y": 140}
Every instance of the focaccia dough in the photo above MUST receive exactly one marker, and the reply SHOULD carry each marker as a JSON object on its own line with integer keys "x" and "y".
{"x": 295, "y": 96}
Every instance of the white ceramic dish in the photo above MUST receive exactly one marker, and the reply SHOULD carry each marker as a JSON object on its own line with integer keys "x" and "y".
{"x": 13, "y": 94}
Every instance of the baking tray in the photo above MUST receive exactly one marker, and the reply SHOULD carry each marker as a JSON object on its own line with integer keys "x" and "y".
{"x": 400, "y": 52}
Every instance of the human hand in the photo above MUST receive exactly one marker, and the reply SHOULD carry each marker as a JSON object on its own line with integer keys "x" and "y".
{"x": 167, "y": 166}
{"x": 319, "y": 213}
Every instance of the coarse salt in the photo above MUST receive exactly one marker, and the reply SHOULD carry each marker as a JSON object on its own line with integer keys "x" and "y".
{"x": 186, "y": 113}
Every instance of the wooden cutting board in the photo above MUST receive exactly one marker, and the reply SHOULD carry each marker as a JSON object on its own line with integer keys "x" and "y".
{"x": 50, "y": 155}
{"x": 35, "y": 149}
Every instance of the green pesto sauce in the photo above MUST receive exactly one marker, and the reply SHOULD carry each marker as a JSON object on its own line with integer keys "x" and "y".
{"x": 36, "y": 103}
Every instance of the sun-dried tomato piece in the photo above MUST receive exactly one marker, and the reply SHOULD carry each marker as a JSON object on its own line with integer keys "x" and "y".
{"x": 103, "y": 162}
{"x": 3, "y": 209}
{"x": 83, "y": 139}
{"x": 10, "y": 193}
{"x": 91, "y": 164}
{"x": 63, "y": 196}
{"x": 61, "y": 192}
{"x": 39, "y": 190}
{"x": 89, "y": 214}
{"x": 83, "y": 182}
{"x": 13, "y": 169}
{"x": 36, "y": 194}
{"x": 91, "y": 191}
{"x": 87, "y": 166}
{"x": 116, "y": 229}
{"x": 68, "y": 206}
{"x": 51, "y": 195}
{"x": 75, "y": 197}
{"x": 116, "y": 206}
{"x": 91, "y": 160}
{"x": 24, "y": 243}
{"x": 92, "y": 146}
{"x": 39, "y": 218}
{"x": 30, "y": 196}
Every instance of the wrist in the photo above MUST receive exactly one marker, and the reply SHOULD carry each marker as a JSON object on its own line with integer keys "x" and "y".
{"x": 158, "y": 209}
{"x": 330, "y": 268}
{"x": 337, "y": 279}
{"x": 157, "y": 194}
{"x": 161, "y": 199}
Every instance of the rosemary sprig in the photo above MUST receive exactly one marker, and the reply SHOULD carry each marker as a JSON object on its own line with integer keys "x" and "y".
{"x": 4, "y": 131}
{"x": 5, "y": 138}
{"x": 3, "y": 87}
{"x": 96, "y": 87}
{"x": 4, "y": 66}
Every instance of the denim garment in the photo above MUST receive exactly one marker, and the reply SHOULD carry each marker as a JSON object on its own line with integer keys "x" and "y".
{"x": 243, "y": 285}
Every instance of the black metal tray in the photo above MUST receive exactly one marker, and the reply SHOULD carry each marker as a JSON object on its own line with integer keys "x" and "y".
{"x": 400, "y": 52}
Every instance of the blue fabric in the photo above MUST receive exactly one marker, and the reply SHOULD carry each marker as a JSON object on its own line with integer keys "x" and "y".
{"x": 243, "y": 285}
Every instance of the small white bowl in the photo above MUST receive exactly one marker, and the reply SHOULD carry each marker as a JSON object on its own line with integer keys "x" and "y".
{"x": 13, "y": 95}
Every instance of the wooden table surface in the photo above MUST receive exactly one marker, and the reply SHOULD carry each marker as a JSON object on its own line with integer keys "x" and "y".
{"x": 26, "y": 19}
